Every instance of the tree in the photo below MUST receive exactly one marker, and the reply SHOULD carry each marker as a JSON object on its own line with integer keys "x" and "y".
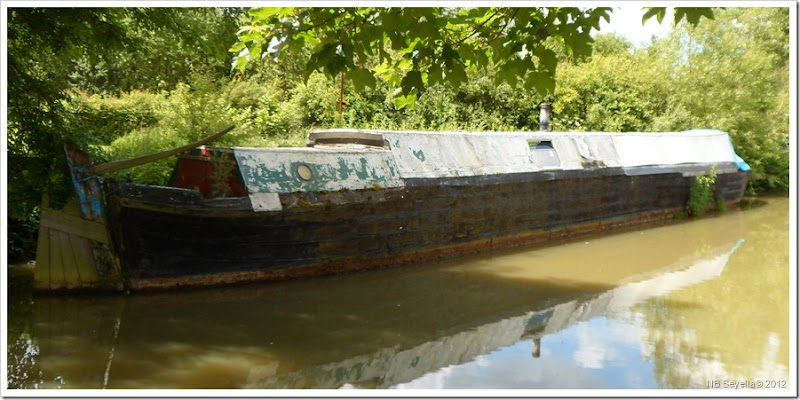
{"x": 733, "y": 75}
{"x": 41, "y": 46}
{"x": 52, "y": 51}
{"x": 161, "y": 51}
{"x": 415, "y": 48}
{"x": 614, "y": 91}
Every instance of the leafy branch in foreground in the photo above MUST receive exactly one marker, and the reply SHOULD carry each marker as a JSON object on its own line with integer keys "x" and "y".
{"x": 412, "y": 49}
{"x": 691, "y": 14}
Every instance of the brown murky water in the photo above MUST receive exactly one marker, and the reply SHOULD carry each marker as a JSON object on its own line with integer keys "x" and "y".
{"x": 678, "y": 306}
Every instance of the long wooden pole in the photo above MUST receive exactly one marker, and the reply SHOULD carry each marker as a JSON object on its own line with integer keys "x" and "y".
{"x": 132, "y": 162}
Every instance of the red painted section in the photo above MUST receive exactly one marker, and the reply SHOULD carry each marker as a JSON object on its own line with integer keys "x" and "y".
{"x": 198, "y": 172}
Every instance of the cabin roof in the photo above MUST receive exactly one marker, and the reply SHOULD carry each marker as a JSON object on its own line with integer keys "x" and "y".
{"x": 340, "y": 160}
{"x": 687, "y": 133}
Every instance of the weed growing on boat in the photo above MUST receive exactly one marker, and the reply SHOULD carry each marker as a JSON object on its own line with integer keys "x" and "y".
{"x": 721, "y": 207}
{"x": 223, "y": 169}
{"x": 702, "y": 193}
{"x": 301, "y": 202}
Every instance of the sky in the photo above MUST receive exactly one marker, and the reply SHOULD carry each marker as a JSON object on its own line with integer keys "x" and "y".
{"x": 626, "y": 20}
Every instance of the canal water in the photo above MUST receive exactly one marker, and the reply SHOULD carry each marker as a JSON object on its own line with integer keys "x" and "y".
{"x": 692, "y": 304}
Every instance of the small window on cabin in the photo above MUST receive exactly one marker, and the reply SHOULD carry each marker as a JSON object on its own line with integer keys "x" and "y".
{"x": 543, "y": 153}
{"x": 540, "y": 144}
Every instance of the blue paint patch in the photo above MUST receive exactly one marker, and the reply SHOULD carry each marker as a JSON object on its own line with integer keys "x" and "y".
{"x": 86, "y": 183}
{"x": 743, "y": 166}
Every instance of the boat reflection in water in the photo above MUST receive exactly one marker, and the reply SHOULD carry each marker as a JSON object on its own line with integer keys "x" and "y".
{"x": 375, "y": 329}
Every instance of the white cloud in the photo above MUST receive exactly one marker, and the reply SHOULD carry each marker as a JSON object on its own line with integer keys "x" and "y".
{"x": 627, "y": 21}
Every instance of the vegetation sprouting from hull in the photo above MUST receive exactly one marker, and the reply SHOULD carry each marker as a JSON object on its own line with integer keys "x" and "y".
{"x": 701, "y": 194}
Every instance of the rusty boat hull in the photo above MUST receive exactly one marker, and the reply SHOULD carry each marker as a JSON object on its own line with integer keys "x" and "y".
{"x": 340, "y": 207}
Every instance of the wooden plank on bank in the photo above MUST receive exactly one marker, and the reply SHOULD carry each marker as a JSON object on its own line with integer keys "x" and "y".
{"x": 75, "y": 225}
{"x": 41, "y": 273}
{"x": 84, "y": 259}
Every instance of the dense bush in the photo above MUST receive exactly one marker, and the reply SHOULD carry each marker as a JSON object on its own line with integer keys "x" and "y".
{"x": 198, "y": 108}
{"x": 22, "y": 234}
{"x": 733, "y": 75}
{"x": 107, "y": 118}
{"x": 617, "y": 90}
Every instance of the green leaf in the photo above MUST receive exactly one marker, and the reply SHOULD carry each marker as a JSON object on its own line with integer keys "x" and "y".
{"x": 382, "y": 69}
{"x": 237, "y": 47}
{"x": 250, "y": 36}
{"x": 456, "y": 76}
{"x": 328, "y": 59}
{"x": 307, "y": 37}
{"x": 545, "y": 83}
{"x": 426, "y": 30}
{"x": 241, "y": 63}
{"x": 255, "y": 50}
{"x": 654, "y": 11}
{"x": 578, "y": 43}
{"x": 434, "y": 75}
{"x": 547, "y": 58}
{"x": 412, "y": 80}
{"x": 522, "y": 18}
{"x": 285, "y": 11}
{"x": 600, "y": 12}
{"x": 449, "y": 56}
{"x": 505, "y": 73}
{"x": 693, "y": 14}
{"x": 467, "y": 53}
{"x": 361, "y": 78}
{"x": 498, "y": 52}
{"x": 481, "y": 58}
{"x": 260, "y": 14}
{"x": 409, "y": 100}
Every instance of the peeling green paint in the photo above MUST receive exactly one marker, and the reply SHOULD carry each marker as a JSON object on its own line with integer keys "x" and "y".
{"x": 419, "y": 154}
{"x": 362, "y": 172}
{"x": 391, "y": 167}
{"x": 344, "y": 171}
{"x": 275, "y": 170}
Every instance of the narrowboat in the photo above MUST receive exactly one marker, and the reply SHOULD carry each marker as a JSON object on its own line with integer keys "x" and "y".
{"x": 358, "y": 199}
